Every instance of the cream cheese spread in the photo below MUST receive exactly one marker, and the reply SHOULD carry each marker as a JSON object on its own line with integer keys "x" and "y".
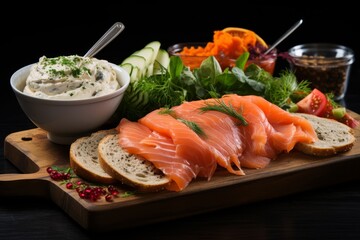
{"x": 71, "y": 77}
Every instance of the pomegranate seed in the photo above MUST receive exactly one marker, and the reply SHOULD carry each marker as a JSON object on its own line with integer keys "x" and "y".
{"x": 49, "y": 169}
{"x": 55, "y": 175}
{"x": 69, "y": 185}
{"x": 88, "y": 190}
{"x": 67, "y": 176}
{"x": 82, "y": 194}
{"x": 109, "y": 198}
{"x": 98, "y": 191}
{"x": 114, "y": 192}
{"x": 84, "y": 190}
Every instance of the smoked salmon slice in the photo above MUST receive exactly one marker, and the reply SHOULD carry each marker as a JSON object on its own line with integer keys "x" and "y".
{"x": 271, "y": 130}
{"x": 220, "y": 130}
{"x": 290, "y": 128}
{"x": 160, "y": 150}
{"x": 164, "y": 137}
{"x": 258, "y": 151}
{"x": 189, "y": 145}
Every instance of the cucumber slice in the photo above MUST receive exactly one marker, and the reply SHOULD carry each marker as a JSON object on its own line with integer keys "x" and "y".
{"x": 147, "y": 53}
{"x": 162, "y": 61}
{"x": 339, "y": 112}
{"x": 132, "y": 70}
{"x": 138, "y": 62}
{"x": 127, "y": 67}
{"x": 150, "y": 70}
{"x": 135, "y": 74}
{"x": 147, "y": 61}
{"x": 155, "y": 45}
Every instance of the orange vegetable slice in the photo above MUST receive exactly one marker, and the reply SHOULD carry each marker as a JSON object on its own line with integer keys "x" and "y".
{"x": 236, "y": 31}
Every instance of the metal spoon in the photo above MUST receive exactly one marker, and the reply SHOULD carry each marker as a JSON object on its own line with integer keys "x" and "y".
{"x": 295, "y": 26}
{"x": 115, "y": 30}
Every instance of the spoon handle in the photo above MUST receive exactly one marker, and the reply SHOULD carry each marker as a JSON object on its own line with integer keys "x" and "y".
{"x": 295, "y": 26}
{"x": 115, "y": 30}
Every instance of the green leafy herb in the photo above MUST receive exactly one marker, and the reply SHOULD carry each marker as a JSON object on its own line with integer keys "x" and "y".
{"x": 227, "y": 109}
{"x": 168, "y": 111}
{"x": 282, "y": 90}
{"x": 192, "y": 125}
{"x": 64, "y": 170}
{"x": 241, "y": 60}
{"x": 178, "y": 84}
{"x": 127, "y": 194}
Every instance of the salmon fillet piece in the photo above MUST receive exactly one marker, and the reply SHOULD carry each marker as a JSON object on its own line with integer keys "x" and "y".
{"x": 270, "y": 130}
{"x": 289, "y": 128}
{"x": 189, "y": 145}
{"x": 161, "y": 151}
{"x": 220, "y": 132}
{"x": 184, "y": 154}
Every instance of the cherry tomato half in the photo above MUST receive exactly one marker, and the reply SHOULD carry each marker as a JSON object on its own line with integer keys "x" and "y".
{"x": 314, "y": 103}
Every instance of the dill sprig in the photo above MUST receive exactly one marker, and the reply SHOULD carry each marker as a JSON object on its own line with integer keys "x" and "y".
{"x": 168, "y": 111}
{"x": 285, "y": 88}
{"x": 227, "y": 109}
{"x": 192, "y": 125}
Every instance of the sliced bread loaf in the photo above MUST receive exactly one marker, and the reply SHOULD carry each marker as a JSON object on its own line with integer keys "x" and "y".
{"x": 84, "y": 158}
{"x": 128, "y": 168}
{"x": 333, "y": 137}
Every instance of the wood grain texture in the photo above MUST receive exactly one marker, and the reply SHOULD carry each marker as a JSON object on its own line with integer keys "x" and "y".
{"x": 32, "y": 153}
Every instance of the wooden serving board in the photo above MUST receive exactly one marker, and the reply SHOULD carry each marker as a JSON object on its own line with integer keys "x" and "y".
{"x": 31, "y": 152}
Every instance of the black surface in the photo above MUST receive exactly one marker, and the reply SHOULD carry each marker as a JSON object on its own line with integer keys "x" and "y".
{"x": 327, "y": 213}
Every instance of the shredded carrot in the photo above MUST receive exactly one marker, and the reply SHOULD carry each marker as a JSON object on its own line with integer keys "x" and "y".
{"x": 223, "y": 44}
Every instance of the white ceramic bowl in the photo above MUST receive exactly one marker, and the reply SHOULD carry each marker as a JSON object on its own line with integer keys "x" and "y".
{"x": 66, "y": 120}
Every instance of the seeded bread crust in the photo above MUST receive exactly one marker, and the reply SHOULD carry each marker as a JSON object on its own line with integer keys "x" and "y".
{"x": 128, "y": 168}
{"x": 84, "y": 158}
{"x": 333, "y": 137}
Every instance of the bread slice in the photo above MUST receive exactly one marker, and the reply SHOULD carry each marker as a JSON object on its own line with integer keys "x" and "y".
{"x": 333, "y": 137}
{"x": 84, "y": 158}
{"x": 128, "y": 168}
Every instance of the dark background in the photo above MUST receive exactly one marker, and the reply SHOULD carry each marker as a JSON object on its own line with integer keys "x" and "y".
{"x": 31, "y": 30}
{"x": 60, "y": 28}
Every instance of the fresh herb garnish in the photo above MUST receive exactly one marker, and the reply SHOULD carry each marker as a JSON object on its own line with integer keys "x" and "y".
{"x": 127, "y": 194}
{"x": 220, "y": 106}
{"x": 168, "y": 111}
{"x": 66, "y": 65}
{"x": 192, "y": 125}
{"x": 178, "y": 83}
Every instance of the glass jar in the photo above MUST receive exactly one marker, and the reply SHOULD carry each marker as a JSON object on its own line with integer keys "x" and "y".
{"x": 326, "y": 66}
